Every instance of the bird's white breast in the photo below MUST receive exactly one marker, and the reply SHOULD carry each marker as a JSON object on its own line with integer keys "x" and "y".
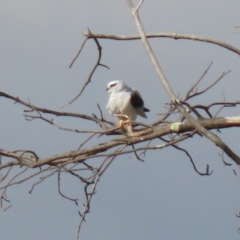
{"x": 119, "y": 103}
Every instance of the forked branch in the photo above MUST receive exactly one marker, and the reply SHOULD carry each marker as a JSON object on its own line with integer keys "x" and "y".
{"x": 213, "y": 137}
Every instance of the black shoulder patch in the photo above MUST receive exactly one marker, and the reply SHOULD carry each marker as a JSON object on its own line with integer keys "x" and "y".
{"x": 136, "y": 100}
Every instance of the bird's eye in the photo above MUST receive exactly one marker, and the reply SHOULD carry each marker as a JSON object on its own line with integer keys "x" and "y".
{"x": 112, "y": 85}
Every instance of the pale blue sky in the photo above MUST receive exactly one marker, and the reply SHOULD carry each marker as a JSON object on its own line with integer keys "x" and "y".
{"x": 162, "y": 198}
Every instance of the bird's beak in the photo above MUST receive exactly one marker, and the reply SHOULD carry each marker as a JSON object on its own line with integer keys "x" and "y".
{"x": 107, "y": 88}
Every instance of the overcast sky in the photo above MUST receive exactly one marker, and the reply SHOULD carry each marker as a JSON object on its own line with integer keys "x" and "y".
{"x": 162, "y": 198}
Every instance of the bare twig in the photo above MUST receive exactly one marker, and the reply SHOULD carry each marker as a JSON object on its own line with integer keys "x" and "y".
{"x": 42, "y": 178}
{"x": 33, "y": 108}
{"x": 136, "y": 155}
{"x": 90, "y": 194}
{"x": 79, "y": 52}
{"x": 175, "y": 36}
{"x": 75, "y": 200}
{"x": 188, "y": 96}
{"x": 98, "y": 63}
{"x": 223, "y": 160}
{"x": 195, "y": 85}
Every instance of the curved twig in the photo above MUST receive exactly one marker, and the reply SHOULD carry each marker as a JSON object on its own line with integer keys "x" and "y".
{"x": 175, "y": 36}
{"x": 64, "y": 196}
{"x": 98, "y": 63}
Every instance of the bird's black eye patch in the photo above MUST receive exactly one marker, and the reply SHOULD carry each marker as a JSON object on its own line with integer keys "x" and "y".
{"x": 112, "y": 85}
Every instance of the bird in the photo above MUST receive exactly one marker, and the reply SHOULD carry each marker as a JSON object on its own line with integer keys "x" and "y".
{"x": 124, "y": 102}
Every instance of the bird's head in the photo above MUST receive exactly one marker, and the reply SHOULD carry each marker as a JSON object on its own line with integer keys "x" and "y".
{"x": 115, "y": 86}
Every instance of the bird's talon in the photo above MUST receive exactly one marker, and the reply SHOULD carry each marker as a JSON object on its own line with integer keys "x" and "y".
{"x": 122, "y": 123}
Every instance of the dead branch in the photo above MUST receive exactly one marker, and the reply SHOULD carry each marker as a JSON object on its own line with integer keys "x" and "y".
{"x": 196, "y": 93}
{"x": 98, "y": 63}
{"x": 75, "y": 200}
{"x": 207, "y": 173}
{"x": 175, "y": 36}
{"x": 198, "y": 81}
{"x": 89, "y": 195}
{"x": 147, "y": 134}
{"x": 33, "y": 108}
{"x": 211, "y": 136}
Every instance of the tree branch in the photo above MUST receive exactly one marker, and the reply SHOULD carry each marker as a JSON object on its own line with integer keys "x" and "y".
{"x": 214, "y": 138}
{"x": 98, "y": 63}
{"x": 174, "y": 36}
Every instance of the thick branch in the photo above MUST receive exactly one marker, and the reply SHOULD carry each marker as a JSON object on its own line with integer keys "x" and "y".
{"x": 134, "y": 138}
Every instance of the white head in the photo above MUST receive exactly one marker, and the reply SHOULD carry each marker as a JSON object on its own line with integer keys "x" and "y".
{"x": 116, "y": 86}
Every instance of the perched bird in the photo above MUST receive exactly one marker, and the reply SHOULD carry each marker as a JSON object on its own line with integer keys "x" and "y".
{"x": 124, "y": 102}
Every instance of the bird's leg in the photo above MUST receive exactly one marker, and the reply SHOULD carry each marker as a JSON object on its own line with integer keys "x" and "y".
{"x": 126, "y": 125}
{"x": 122, "y": 119}
{"x": 123, "y": 122}
{"x": 120, "y": 124}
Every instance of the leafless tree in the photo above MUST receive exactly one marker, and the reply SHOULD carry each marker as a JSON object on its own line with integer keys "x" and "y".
{"x": 187, "y": 123}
